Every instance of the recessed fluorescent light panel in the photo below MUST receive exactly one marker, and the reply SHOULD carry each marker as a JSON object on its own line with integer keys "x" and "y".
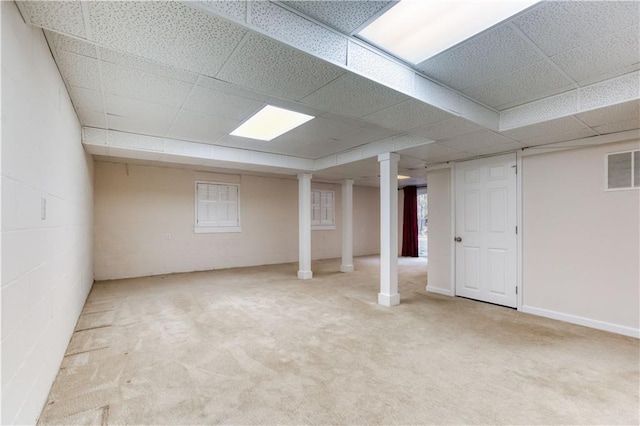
{"x": 415, "y": 30}
{"x": 270, "y": 122}
{"x": 400, "y": 177}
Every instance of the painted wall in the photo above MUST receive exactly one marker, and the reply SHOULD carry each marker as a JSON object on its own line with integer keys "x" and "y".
{"x": 580, "y": 242}
{"x": 439, "y": 241}
{"x": 46, "y": 263}
{"x": 144, "y": 219}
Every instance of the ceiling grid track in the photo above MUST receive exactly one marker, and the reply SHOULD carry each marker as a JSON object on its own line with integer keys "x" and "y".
{"x": 366, "y": 101}
{"x": 548, "y": 59}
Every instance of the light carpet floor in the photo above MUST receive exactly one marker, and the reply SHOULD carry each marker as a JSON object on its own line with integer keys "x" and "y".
{"x": 258, "y": 346}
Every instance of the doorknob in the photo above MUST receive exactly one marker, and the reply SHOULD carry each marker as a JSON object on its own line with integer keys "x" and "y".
{"x": 458, "y": 239}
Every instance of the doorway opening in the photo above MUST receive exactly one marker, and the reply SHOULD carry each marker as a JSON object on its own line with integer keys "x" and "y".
{"x": 422, "y": 222}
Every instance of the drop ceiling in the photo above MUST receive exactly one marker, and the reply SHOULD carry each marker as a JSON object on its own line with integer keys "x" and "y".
{"x": 168, "y": 81}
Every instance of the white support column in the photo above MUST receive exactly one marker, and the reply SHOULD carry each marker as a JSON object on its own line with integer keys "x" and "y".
{"x": 347, "y": 226}
{"x": 388, "y": 295}
{"x": 304, "y": 226}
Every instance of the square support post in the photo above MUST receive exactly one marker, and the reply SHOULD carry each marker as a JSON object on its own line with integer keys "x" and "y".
{"x": 388, "y": 295}
{"x": 304, "y": 226}
{"x": 347, "y": 226}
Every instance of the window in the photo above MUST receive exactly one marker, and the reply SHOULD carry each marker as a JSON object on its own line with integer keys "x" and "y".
{"x": 323, "y": 210}
{"x": 623, "y": 170}
{"x": 217, "y": 207}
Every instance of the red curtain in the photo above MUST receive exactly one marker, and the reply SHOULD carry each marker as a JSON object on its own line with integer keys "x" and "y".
{"x": 410, "y": 222}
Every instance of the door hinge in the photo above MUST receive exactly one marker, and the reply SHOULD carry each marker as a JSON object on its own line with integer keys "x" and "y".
{"x": 516, "y": 230}
{"x": 516, "y": 290}
{"x": 515, "y": 167}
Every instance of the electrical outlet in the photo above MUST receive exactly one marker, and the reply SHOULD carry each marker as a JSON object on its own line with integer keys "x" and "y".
{"x": 43, "y": 208}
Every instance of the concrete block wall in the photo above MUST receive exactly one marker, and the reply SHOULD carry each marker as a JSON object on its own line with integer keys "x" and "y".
{"x": 144, "y": 220}
{"x": 47, "y": 268}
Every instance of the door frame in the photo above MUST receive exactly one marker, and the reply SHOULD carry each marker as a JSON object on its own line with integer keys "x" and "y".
{"x": 452, "y": 194}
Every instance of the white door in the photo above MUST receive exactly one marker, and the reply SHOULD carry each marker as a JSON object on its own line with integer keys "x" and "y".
{"x": 485, "y": 253}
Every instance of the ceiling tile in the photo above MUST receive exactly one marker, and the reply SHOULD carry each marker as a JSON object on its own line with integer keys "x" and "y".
{"x": 150, "y": 113}
{"x": 144, "y": 126}
{"x": 271, "y": 67}
{"x": 61, "y": 16}
{"x": 137, "y": 84}
{"x": 432, "y": 151}
{"x": 619, "y": 126}
{"x": 434, "y": 154}
{"x": 221, "y": 104}
{"x": 447, "y": 129}
{"x": 70, "y": 44}
{"x": 233, "y": 9}
{"x": 522, "y": 86}
{"x": 368, "y": 168}
{"x": 91, "y": 118}
{"x": 324, "y": 136}
{"x": 408, "y": 115}
{"x": 607, "y": 57}
{"x": 498, "y": 149}
{"x": 410, "y": 163}
{"x": 559, "y": 137}
{"x": 290, "y": 27}
{"x": 345, "y": 16}
{"x": 354, "y": 96}
{"x": 169, "y": 32}
{"x": 558, "y": 26}
{"x": 612, "y": 114}
{"x": 485, "y": 57}
{"x": 86, "y": 99}
{"x": 233, "y": 89}
{"x": 476, "y": 142}
{"x": 78, "y": 70}
{"x": 546, "y": 128}
{"x": 148, "y": 66}
{"x": 195, "y": 127}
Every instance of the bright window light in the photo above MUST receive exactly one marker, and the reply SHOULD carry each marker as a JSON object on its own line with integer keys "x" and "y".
{"x": 416, "y": 30}
{"x": 270, "y": 122}
{"x": 400, "y": 177}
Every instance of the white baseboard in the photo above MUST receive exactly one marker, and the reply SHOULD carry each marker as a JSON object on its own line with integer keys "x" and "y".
{"x": 443, "y": 291}
{"x": 587, "y": 322}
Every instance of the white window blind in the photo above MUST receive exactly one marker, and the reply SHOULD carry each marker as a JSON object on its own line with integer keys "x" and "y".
{"x": 623, "y": 170}
{"x": 217, "y": 207}
{"x": 322, "y": 209}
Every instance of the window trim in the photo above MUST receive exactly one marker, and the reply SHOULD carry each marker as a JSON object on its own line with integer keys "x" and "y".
{"x": 606, "y": 171}
{"x": 319, "y": 227}
{"x": 215, "y": 229}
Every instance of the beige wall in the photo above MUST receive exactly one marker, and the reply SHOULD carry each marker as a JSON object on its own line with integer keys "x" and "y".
{"x": 144, "y": 219}
{"x": 580, "y": 243}
{"x": 46, "y": 263}
{"x": 439, "y": 241}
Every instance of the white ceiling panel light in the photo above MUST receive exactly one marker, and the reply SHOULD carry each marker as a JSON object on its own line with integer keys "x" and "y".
{"x": 270, "y": 122}
{"x": 415, "y": 30}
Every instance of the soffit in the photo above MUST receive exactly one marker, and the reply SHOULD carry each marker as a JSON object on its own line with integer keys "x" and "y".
{"x": 127, "y": 69}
